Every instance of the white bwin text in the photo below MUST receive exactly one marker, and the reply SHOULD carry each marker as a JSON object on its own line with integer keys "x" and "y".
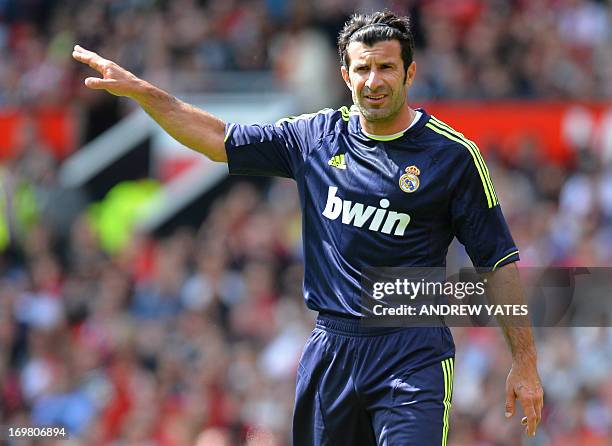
{"x": 357, "y": 214}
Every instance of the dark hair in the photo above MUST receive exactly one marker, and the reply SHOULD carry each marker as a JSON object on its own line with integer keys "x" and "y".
{"x": 373, "y": 28}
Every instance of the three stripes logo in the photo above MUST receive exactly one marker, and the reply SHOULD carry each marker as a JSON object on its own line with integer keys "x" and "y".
{"x": 337, "y": 161}
{"x": 445, "y": 130}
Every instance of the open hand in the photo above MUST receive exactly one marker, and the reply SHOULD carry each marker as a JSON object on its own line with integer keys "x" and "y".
{"x": 524, "y": 384}
{"x": 115, "y": 79}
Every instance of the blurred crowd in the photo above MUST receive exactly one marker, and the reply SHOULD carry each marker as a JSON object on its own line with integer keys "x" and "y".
{"x": 193, "y": 339}
{"x": 467, "y": 49}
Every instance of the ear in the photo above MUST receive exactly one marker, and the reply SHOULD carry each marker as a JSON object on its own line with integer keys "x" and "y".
{"x": 410, "y": 73}
{"x": 345, "y": 76}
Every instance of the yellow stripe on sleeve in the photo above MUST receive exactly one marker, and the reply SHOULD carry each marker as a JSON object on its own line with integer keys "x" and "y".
{"x": 477, "y": 151}
{"x": 504, "y": 258}
{"x": 490, "y": 197}
{"x": 229, "y": 132}
{"x": 303, "y": 116}
{"x": 346, "y": 114}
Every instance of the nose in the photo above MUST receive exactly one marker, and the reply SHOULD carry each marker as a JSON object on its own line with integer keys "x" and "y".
{"x": 374, "y": 80}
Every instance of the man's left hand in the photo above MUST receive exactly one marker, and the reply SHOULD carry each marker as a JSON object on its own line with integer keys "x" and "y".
{"x": 523, "y": 383}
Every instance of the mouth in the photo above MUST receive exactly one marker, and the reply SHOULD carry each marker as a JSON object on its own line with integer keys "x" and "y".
{"x": 375, "y": 98}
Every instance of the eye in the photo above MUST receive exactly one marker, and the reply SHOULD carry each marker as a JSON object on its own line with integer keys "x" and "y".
{"x": 362, "y": 68}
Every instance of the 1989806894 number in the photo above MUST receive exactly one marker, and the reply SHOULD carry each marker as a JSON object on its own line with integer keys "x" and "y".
{"x": 56, "y": 432}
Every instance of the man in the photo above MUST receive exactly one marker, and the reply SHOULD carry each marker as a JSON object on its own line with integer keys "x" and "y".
{"x": 380, "y": 184}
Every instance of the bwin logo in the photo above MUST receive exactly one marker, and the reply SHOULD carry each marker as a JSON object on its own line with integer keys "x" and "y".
{"x": 358, "y": 215}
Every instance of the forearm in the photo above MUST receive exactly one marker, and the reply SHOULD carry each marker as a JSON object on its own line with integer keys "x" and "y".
{"x": 523, "y": 383}
{"x": 504, "y": 288}
{"x": 189, "y": 125}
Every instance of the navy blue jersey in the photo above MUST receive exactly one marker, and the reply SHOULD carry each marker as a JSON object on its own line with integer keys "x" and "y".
{"x": 375, "y": 202}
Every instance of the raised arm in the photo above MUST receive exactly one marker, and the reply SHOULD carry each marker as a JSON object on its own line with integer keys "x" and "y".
{"x": 523, "y": 383}
{"x": 192, "y": 127}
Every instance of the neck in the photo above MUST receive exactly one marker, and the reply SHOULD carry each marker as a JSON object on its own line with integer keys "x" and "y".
{"x": 396, "y": 124}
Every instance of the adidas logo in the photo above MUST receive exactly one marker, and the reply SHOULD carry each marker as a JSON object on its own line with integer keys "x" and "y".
{"x": 359, "y": 215}
{"x": 337, "y": 162}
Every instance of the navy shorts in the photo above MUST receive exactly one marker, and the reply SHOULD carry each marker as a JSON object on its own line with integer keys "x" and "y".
{"x": 373, "y": 386}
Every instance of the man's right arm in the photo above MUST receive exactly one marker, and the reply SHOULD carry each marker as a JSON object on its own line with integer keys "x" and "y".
{"x": 192, "y": 127}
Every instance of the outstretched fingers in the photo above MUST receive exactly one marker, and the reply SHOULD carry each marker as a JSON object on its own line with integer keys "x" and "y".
{"x": 101, "y": 65}
{"x": 90, "y": 58}
{"x": 97, "y": 83}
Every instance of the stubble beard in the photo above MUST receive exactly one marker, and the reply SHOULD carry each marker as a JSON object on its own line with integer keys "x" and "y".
{"x": 386, "y": 113}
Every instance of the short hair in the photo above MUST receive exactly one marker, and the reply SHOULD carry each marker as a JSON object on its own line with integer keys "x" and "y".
{"x": 373, "y": 28}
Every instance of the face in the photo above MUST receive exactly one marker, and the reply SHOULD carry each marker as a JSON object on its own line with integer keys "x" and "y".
{"x": 377, "y": 79}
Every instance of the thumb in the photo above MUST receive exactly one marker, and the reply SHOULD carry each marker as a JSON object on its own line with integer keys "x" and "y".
{"x": 510, "y": 402}
{"x": 97, "y": 83}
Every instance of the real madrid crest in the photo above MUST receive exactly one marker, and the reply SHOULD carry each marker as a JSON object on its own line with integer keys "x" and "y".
{"x": 409, "y": 182}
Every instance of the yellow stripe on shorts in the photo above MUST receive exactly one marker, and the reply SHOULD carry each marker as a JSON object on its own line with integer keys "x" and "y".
{"x": 448, "y": 370}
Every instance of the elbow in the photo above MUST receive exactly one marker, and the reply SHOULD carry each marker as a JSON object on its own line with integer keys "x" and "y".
{"x": 219, "y": 157}
{"x": 212, "y": 152}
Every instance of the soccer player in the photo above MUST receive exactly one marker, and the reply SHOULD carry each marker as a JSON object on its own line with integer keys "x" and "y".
{"x": 380, "y": 184}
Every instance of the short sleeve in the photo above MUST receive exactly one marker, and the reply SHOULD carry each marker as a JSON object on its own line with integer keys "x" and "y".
{"x": 270, "y": 150}
{"x": 477, "y": 218}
